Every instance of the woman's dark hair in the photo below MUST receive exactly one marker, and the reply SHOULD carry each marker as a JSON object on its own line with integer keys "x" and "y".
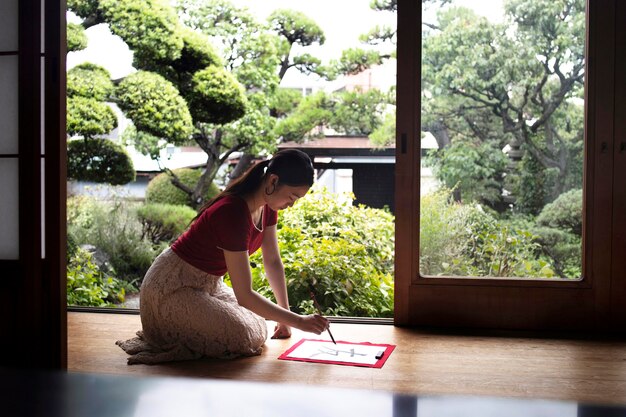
{"x": 292, "y": 166}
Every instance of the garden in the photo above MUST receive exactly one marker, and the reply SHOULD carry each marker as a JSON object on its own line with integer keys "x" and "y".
{"x": 502, "y": 98}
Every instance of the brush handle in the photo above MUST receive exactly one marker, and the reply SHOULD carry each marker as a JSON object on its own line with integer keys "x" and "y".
{"x": 319, "y": 310}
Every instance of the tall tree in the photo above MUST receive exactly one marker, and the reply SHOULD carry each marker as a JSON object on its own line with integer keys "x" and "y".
{"x": 181, "y": 90}
{"x": 488, "y": 87}
{"x": 512, "y": 83}
{"x": 259, "y": 54}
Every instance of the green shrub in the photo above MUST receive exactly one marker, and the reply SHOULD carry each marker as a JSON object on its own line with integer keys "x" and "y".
{"x": 160, "y": 190}
{"x": 464, "y": 240}
{"x": 284, "y": 100}
{"x": 344, "y": 252}
{"x": 112, "y": 227}
{"x": 506, "y": 252}
{"x": 216, "y": 96}
{"x": 311, "y": 112}
{"x": 564, "y": 249}
{"x": 76, "y": 37}
{"x": 164, "y": 222}
{"x": 83, "y": 8}
{"x": 474, "y": 170}
{"x": 99, "y": 160}
{"x": 442, "y": 238}
{"x": 197, "y": 53}
{"x": 564, "y": 213}
{"x": 90, "y": 81}
{"x": 155, "y": 106}
{"x": 72, "y": 247}
{"x": 150, "y": 28}
{"x": 89, "y": 117}
{"x": 88, "y": 286}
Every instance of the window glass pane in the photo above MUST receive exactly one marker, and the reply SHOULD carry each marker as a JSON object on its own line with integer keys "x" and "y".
{"x": 8, "y": 104}
{"x": 9, "y": 208}
{"x": 502, "y": 138}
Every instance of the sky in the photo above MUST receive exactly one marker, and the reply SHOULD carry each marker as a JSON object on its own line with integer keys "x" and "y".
{"x": 341, "y": 20}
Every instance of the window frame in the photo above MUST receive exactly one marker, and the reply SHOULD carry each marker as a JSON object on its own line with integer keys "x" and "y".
{"x": 528, "y": 304}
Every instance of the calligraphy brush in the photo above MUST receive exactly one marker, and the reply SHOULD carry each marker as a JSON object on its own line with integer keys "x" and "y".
{"x": 319, "y": 309}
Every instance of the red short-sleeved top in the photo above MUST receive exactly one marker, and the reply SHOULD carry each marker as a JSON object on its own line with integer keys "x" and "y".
{"x": 227, "y": 224}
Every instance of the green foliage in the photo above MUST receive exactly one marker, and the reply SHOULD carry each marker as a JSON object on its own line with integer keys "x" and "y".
{"x": 72, "y": 247}
{"x": 216, "y": 96}
{"x": 475, "y": 170}
{"x": 88, "y": 286}
{"x": 534, "y": 182}
{"x": 345, "y": 252}
{"x": 83, "y": 8}
{"x": 197, "y": 54}
{"x": 296, "y": 27}
{"x": 348, "y": 112}
{"x": 356, "y": 60}
{"x": 506, "y": 252}
{"x": 463, "y": 240}
{"x": 357, "y": 112}
{"x": 248, "y": 49}
{"x": 255, "y": 66}
{"x": 88, "y": 117}
{"x": 285, "y": 100}
{"x": 89, "y": 80}
{"x": 161, "y": 190}
{"x": 155, "y": 106}
{"x": 149, "y": 27}
{"x": 496, "y": 83}
{"x": 99, "y": 160}
{"x": 441, "y": 223}
{"x": 254, "y": 129}
{"x": 217, "y": 18}
{"x": 143, "y": 142}
{"x": 164, "y": 222}
{"x": 388, "y": 5}
{"x": 564, "y": 250}
{"x": 385, "y": 134}
{"x": 310, "y": 113}
{"x": 113, "y": 228}
{"x": 76, "y": 37}
{"x": 564, "y": 213}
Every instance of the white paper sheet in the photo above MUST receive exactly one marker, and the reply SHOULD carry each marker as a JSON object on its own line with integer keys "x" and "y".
{"x": 340, "y": 352}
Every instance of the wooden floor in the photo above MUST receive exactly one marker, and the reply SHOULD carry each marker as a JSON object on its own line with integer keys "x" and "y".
{"x": 423, "y": 362}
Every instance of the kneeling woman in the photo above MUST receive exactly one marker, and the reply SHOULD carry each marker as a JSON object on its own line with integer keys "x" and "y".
{"x": 186, "y": 309}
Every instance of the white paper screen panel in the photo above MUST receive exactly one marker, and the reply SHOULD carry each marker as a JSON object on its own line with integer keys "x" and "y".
{"x": 9, "y": 209}
{"x": 8, "y": 25}
{"x": 8, "y": 104}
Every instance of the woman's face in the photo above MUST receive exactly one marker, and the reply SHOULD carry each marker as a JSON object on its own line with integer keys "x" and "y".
{"x": 284, "y": 196}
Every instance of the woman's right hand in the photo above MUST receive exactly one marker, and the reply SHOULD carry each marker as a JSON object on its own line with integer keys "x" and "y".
{"x": 313, "y": 323}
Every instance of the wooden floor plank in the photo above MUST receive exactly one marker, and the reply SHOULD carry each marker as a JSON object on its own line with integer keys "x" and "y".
{"x": 423, "y": 362}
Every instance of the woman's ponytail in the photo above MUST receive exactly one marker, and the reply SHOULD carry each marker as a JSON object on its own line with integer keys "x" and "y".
{"x": 292, "y": 166}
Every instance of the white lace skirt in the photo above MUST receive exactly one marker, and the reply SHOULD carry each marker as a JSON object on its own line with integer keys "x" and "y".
{"x": 187, "y": 313}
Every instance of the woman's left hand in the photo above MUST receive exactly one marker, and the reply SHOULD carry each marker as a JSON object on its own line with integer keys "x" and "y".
{"x": 281, "y": 331}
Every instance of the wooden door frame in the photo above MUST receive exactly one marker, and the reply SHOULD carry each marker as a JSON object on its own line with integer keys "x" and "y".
{"x": 512, "y": 303}
{"x": 33, "y": 287}
{"x": 618, "y": 266}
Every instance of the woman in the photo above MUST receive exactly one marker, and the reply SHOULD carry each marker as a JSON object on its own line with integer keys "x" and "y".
{"x": 186, "y": 309}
